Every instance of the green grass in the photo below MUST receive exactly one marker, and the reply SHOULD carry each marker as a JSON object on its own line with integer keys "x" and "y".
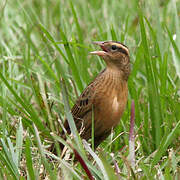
{"x": 45, "y": 64}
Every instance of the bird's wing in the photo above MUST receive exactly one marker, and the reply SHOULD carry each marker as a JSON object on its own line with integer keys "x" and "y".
{"x": 82, "y": 106}
{"x": 83, "y": 103}
{"x": 86, "y": 100}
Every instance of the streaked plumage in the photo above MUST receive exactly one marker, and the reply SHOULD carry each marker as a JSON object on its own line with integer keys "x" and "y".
{"x": 106, "y": 94}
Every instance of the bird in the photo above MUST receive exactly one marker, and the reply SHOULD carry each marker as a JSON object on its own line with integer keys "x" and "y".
{"x": 105, "y": 97}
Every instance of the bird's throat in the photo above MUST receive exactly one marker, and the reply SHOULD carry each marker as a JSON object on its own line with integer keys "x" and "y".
{"x": 115, "y": 74}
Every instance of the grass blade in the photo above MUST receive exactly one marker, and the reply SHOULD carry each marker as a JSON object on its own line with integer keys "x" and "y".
{"x": 33, "y": 114}
{"x": 167, "y": 140}
{"x": 29, "y": 159}
{"x": 176, "y": 53}
{"x": 70, "y": 118}
{"x": 19, "y": 142}
{"x": 41, "y": 150}
{"x": 132, "y": 137}
{"x": 155, "y": 108}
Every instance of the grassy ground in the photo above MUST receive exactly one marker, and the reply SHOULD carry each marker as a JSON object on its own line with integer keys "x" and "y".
{"x": 44, "y": 65}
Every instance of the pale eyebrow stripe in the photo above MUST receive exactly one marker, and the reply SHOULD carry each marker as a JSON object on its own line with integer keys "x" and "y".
{"x": 120, "y": 46}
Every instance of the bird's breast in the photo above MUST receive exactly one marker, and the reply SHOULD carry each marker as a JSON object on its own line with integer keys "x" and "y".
{"x": 111, "y": 105}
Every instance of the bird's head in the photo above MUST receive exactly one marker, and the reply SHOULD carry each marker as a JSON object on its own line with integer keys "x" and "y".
{"x": 115, "y": 54}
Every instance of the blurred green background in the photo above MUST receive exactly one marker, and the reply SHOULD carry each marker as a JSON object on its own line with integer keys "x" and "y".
{"x": 43, "y": 41}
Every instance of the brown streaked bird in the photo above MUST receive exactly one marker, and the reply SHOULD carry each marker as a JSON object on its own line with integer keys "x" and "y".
{"x": 106, "y": 95}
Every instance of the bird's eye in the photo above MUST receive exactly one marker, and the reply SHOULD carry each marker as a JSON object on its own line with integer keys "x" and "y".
{"x": 113, "y": 47}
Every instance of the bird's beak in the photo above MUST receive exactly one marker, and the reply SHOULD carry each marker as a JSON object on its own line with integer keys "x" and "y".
{"x": 99, "y": 53}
